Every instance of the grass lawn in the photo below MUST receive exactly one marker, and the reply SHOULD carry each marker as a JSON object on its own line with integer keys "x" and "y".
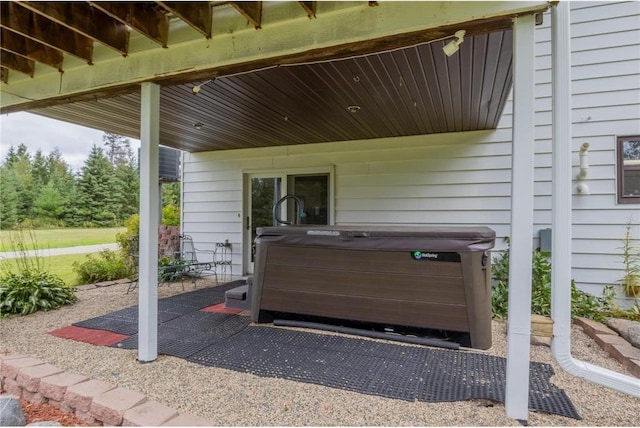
{"x": 57, "y": 238}
{"x": 58, "y": 265}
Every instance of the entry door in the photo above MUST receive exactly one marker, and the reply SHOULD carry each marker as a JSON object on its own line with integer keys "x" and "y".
{"x": 263, "y": 193}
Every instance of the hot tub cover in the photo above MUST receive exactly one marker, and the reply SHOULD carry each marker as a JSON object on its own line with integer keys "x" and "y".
{"x": 396, "y": 238}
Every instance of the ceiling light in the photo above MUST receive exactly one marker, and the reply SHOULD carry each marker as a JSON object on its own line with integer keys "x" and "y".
{"x": 198, "y": 125}
{"x": 453, "y": 46}
{"x": 353, "y": 108}
{"x": 197, "y": 88}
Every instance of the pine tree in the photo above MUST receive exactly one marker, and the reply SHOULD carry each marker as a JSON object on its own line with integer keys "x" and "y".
{"x": 128, "y": 189}
{"x": 95, "y": 199}
{"x": 8, "y": 199}
{"x": 118, "y": 149}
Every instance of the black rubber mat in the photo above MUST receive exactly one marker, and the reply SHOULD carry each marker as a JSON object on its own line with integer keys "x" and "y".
{"x": 125, "y": 321}
{"x": 383, "y": 369}
{"x": 392, "y": 370}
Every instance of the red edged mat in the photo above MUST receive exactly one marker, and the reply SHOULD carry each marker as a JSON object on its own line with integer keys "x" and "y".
{"x": 221, "y": 309}
{"x": 88, "y": 335}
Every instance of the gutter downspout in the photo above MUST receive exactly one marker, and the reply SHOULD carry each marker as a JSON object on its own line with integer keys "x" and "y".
{"x": 561, "y": 215}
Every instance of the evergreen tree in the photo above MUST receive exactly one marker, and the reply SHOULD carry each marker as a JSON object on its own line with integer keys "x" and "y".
{"x": 39, "y": 171}
{"x": 49, "y": 206}
{"x": 8, "y": 199}
{"x": 128, "y": 189}
{"x": 118, "y": 149}
{"x": 24, "y": 186}
{"x": 95, "y": 197}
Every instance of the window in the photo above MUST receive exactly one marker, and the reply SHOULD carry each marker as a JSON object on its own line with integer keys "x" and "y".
{"x": 629, "y": 169}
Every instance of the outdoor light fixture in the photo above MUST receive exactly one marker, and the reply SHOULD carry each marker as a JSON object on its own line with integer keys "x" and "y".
{"x": 353, "y": 108}
{"x": 198, "y": 125}
{"x": 453, "y": 46}
{"x": 197, "y": 88}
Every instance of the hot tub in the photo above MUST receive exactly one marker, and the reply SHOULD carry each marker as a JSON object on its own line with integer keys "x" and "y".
{"x": 425, "y": 277}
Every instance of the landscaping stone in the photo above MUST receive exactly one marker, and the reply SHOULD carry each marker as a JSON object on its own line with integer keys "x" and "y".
{"x": 45, "y": 424}
{"x": 150, "y": 413}
{"x": 29, "y": 377}
{"x": 11, "y": 414}
{"x": 110, "y": 406}
{"x": 633, "y": 335}
{"x": 9, "y": 367}
{"x": 54, "y": 387}
{"x": 81, "y": 395}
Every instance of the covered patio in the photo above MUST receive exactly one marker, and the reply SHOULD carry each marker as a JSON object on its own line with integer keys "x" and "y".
{"x": 213, "y": 76}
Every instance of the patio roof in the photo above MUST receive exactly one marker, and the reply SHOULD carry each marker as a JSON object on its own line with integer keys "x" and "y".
{"x": 396, "y": 81}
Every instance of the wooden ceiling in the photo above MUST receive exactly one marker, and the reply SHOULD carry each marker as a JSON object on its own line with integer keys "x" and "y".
{"x": 396, "y": 86}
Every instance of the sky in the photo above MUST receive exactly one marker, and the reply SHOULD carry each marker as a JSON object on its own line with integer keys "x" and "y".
{"x": 38, "y": 132}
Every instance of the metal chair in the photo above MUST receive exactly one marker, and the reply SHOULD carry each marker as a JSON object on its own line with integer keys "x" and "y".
{"x": 198, "y": 263}
{"x": 223, "y": 259}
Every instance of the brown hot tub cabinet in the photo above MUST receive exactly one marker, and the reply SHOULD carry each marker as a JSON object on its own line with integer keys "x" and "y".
{"x": 425, "y": 277}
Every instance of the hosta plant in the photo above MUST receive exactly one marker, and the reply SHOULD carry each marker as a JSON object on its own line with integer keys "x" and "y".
{"x": 32, "y": 290}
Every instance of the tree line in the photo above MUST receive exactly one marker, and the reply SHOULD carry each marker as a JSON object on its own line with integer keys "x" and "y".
{"x": 40, "y": 191}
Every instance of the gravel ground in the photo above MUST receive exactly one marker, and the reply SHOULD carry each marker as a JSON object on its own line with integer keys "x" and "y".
{"x": 231, "y": 398}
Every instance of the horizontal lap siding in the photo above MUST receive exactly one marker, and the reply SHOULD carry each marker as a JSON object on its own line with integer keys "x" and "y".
{"x": 465, "y": 178}
{"x": 605, "y": 103}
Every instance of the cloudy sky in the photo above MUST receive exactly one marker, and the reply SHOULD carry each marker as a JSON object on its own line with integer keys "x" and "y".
{"x": 38, "y": 132}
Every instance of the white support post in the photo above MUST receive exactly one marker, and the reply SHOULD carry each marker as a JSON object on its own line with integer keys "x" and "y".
{"x": 149, "y": 219}
{"x": 519, "y": 315}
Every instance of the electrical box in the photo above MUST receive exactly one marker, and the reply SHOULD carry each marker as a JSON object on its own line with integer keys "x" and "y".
{"x": 545, "y": 240}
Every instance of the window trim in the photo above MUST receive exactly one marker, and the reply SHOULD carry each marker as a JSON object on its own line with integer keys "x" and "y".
{"x": 620, "y": 168}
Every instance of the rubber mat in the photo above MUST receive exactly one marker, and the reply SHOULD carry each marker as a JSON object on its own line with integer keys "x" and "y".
{"x": 383, "y": 369}
{"x": 94, "y": 337}
{"x": 125, "y": 321}
{"x": 405, "y": 372}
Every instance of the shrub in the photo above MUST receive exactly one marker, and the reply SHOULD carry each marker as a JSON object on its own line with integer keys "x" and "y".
{"x": 171, "y": 215}
{"x": 124, "y": 239}
{"x": 31, "y": 290}
{"x": 582, "y": 304}
{"x": 107, "y": 266}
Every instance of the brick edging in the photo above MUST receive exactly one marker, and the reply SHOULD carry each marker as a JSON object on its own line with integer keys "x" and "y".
{"x": 612, "y": 343}
{"x": 93, "y": 401}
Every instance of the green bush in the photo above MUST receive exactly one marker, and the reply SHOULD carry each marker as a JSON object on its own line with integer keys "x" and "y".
{"x": 133, "y": 231}
{"x": 171, "y": 215}
{"x": 32, "y": 290}
{"x": 107, "y": 266}
{"x": 582, "y": 304}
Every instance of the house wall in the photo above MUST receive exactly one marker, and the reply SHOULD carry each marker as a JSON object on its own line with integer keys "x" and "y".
{"x": 465, "y": 178}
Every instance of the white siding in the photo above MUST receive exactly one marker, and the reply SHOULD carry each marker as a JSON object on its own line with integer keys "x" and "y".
{"x": 465, "y": 178}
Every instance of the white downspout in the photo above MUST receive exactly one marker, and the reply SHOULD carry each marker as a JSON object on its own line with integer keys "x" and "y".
{"x": 561, "y": 215}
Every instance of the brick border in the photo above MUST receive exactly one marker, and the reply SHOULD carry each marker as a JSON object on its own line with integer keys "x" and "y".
{"x": 92, "y": 401}
{"x": 613, "y": 344}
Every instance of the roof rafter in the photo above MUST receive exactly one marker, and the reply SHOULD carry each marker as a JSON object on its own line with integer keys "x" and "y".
{"x": 86, "y": 20}
{"x": 23, "y": 46}
{"x": 309, "y": 7}
{"x": 149, "y": 21}
{"x": 17, "y": 62}
{"x": 22, "y": 21}
{"x": 252, "y": 10}
{"x": 199, "y": 15}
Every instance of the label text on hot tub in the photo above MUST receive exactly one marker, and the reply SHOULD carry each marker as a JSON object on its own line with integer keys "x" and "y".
{"x": 436, "y": 257}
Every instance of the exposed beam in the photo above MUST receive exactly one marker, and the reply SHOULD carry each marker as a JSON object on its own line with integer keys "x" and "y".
{"x": 17, "y": 62}
{"x": 22, "y": 21}
{"x": 4, "y": 74}
{"x": 309, "y": 7}
{"x": 23, "y": 46}
{"x": 86, "y": 20}
{"x": 198, "y": 15}
{"x": 150, "y": 21}
{"x": 252, "y": 10}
